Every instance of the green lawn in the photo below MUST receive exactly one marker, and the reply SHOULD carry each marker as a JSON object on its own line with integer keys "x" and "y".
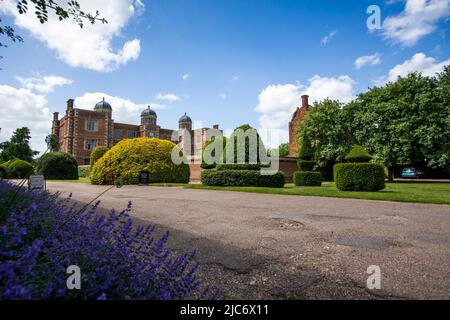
{"x": 438, "y": 193}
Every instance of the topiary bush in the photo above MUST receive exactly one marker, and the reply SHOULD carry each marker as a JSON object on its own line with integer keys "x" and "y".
{"x": 96, "y": 154}
{"x": 247, "y": 131}
{"x": 306, "y": 165}
{"x": 306, "y": 151}
{"x": 20, "y": 169}
{"x": 242, "y": 178}
{"x": 213, "y": 143}
{"x": 131, "y": 157}
{"x": 58, "y": 166}
{"x": 3, "y": 171}
{"x": 307, "y": 178}
{"x": 358, "y": 154}
{"x": 359, "y": 176}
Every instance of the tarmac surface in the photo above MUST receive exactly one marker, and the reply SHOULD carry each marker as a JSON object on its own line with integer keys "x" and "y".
{"x": 260, "y": 246}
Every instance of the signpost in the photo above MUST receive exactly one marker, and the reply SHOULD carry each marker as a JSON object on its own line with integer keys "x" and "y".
{"x": 143, "y": 178}
{"x": 36, "y": 183}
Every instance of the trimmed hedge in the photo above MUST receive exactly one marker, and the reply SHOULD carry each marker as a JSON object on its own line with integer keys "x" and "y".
{"x": 307, "y": 178}
{"x": 306, "y": 165}
{"x": 58, "y": 166}
{"x": 359, "y": 176}
{"x": 358, "y": 154}
{"x": 20, "y": 169}
{"x": 96, "y": 154}
{"x": 241, "y": 178}
{"x": 131, "y": 157}
{"x": 243, "y": 166}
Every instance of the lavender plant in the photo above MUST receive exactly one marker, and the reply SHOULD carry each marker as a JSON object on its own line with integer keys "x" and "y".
{"x": 42, "y": 234}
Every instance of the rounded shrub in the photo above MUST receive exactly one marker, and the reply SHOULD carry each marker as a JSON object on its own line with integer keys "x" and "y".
{"x": 359, "y": 176}
{"x": 307, "y": 178}
{"x": 58, "y": 166}
{"x": 3, "y": 171}
{"x": 20, "y": 169}
{"x": 131, "y": 157}
{"x": 96, "y": 154}
{"x": 242, "y": 178}
{"x": 358, "y": 154}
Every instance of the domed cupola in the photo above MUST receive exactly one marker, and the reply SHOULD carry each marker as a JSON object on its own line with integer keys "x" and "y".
{"x": 185, "y": 118}
{"x": 185, "y": 122}
{"x": 103, "y": 105}
{"x": 148, "y": 112}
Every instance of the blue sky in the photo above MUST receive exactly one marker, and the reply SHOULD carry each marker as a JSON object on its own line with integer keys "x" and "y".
{"x": 228, "y": 62}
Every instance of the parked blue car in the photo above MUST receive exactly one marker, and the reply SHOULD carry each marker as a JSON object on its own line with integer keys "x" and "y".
{"x": 411, "y": 172}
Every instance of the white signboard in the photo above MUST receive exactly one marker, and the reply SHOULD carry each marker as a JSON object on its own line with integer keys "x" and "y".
{"x": 36, "y": 182}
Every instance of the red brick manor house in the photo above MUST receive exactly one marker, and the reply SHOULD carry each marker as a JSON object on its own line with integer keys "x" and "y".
{"x": 79, "y": 131}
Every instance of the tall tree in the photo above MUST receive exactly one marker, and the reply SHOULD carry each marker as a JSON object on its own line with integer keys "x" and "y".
{"x": 18, "y": 146}
{"x": 402, "y": 122}
{"x": 325, "y": 127}
{"x": 406, "y": 121}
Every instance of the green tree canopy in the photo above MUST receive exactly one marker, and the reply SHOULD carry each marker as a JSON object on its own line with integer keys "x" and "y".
{"x": 326, "y": 130}
{"x": 283, "y": 150}
{"x": 18, "y": 147}
{"x": 406, "y": 121}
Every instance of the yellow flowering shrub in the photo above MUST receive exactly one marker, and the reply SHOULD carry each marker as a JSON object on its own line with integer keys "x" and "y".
{"x": 130, "y": 157}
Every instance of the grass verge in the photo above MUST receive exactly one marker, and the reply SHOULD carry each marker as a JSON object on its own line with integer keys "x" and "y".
{"x": 436, "y": 193}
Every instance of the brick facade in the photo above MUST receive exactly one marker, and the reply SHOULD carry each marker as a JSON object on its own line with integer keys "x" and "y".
{"x": 80, "y": 130}
{"x": 297, "y": 118}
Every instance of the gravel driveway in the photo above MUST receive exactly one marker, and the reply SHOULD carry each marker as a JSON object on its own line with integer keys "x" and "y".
{"x": 257, "y": 246}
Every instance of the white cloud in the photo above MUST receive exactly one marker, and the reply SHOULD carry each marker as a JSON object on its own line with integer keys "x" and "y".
{"x": 186, "y": 76}
{"x": 369, "y": 60}
{"x": 167, "y": 97}
{"x": 45, "y": 84}
{"x": 340, "y": 88}
{"x": 89, "y": 47}
{"x": 124, "y": 110}
{"x": 235, "y": 78}
{"x": 223, "y": 96}
{"x": 22, "y": 108}
{"x": 419, "y": 18}
{"x": 428, "y": 66}
{"x": 324, "y": 41}
{"x": 277, "y": 102}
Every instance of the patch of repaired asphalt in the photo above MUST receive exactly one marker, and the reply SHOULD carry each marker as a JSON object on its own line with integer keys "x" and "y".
{"x": 431, "y": 237}
{"x": 368, "y": 242}
{"x": 321, "y": 217}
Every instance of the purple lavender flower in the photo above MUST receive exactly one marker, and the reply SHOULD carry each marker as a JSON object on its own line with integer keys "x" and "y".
{"x": 41, "y": 235}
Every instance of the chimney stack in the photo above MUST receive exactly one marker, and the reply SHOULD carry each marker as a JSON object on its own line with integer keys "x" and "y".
{"x": 70, "y": 104}
{"x": 305, "y": 101}
{"x": 55, "y": 116}
{"x": 216, "y": 126}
